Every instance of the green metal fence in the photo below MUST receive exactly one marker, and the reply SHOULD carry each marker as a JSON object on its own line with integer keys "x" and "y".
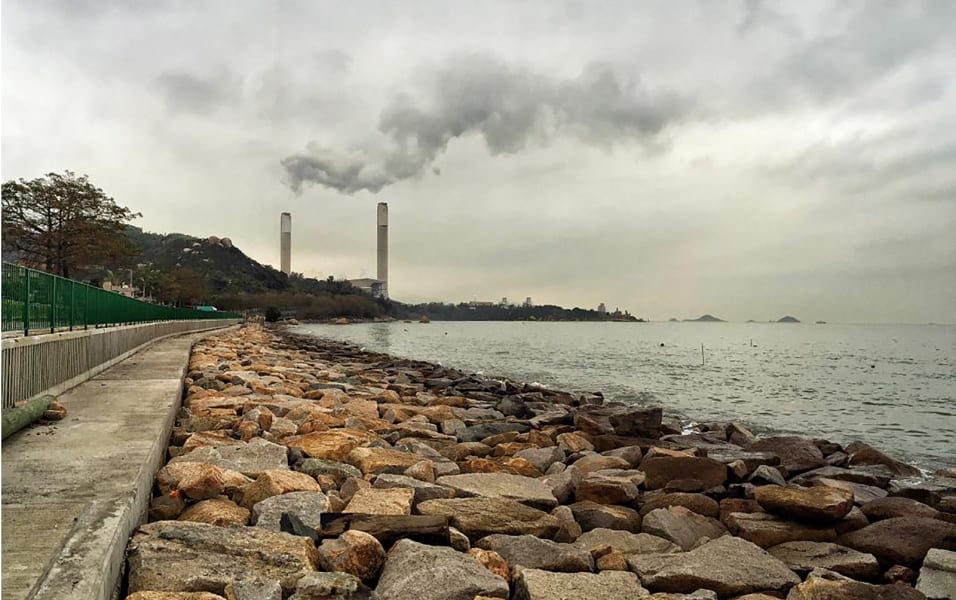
{"x": 34, "y": 301}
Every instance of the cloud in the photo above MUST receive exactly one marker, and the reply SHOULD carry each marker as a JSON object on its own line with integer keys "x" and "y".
{"x": 509, "y": 107}
{"x": 188, "y": 93}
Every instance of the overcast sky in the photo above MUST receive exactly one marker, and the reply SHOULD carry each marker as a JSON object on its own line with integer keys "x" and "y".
{"x": 748, "y": 159}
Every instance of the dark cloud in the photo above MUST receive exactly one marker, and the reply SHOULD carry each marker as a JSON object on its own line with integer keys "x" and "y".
{"x": 509, "y": 107}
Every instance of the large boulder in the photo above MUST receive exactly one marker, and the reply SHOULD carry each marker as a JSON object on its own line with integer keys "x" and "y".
{"x": 729, "y": 566}
{"x": 820, "y": 504}
{"x": 609, "y": 486}
{"x": 216, "y": 511}
{"x": 179, "y": 556}
{"x": 804, "y": 557}
{"x": 534, "y": 584}
{"x": 479, "y": 517}
{"x": 414, "y": 570}
{"x": 624, "y": 542}
{"x": 902, "y": 540}
{"x": 329, "y": 586}
{"x": 526, "y": 490}
{"x": 530, "y": 551}
{"x": 864, "y": 454}
{"x": 306, "y": 506}
{"x": 276, "y": 482}
{"x": 542, "y": 458}
{"x": 354, "y": 552}
{"x": 376, "y": 501}
{"x": 423, "y": 490}
{"x": 334, "y": 444}
{"x": 591, "y": 515}
{"x": 796, "y": 454}
{"x": 251, "y": 459}
{"x": 937, "y": 578}
{"x": 699, "y": 503}
{"x": 681, "y": 526}
{"x": 382, "y": 460}
{"x": 828, "y": 587}
{"x": 661, "y": 470}
{"x": 767, "y": 530}
{"x": 879, "y": 509}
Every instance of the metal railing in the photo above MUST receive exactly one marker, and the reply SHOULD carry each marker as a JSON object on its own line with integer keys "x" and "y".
{"x": 34, "y": 301}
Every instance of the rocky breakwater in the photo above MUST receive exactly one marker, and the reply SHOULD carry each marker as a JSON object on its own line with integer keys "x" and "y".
{"x": 308, "y": 469}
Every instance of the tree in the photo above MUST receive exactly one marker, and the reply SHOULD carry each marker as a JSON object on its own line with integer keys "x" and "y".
{"x": 62, "y": 222}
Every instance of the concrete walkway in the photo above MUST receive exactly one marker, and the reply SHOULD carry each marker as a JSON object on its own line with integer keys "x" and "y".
{"x": 73, "y": 491}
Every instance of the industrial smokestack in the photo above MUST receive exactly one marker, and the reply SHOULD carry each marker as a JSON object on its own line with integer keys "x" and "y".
{"x": 383, "y": 247}
{"x": 285, "y": 235}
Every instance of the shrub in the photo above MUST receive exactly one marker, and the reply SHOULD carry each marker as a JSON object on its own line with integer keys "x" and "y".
{"x": 273, "y": 314}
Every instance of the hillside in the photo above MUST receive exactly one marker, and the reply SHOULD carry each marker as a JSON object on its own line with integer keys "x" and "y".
{"x": 705, "y": 319}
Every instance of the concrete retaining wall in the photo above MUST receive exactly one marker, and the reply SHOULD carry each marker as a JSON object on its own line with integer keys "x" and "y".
{"x": 55, "y": 362}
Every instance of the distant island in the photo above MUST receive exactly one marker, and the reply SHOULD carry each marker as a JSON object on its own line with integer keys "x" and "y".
{"x": 821, "y": 322}
{"x": 705, "y": 319}
{"x": 788, "y": 319}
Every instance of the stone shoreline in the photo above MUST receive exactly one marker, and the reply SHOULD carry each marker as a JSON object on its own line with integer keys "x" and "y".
{"x": 309, "y": 469}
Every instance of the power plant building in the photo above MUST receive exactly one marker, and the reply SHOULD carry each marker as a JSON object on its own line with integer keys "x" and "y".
{"x": 285, "y": 243}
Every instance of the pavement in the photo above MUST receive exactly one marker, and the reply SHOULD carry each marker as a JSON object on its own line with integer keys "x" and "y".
{"x": 74, "y": 490}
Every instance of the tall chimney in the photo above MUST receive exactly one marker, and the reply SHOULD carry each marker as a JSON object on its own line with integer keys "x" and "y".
{"x": 285, "y": 242}
{"x": 383, "y": 247}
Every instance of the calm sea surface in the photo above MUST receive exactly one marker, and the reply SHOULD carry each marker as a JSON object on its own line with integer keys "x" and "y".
{"x": 893, "y": 386}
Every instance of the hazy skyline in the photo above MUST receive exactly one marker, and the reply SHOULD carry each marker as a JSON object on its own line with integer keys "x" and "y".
{"x": 746, "y": 159}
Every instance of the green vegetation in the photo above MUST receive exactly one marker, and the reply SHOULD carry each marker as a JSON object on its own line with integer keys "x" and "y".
{"x": 464, "y": 311}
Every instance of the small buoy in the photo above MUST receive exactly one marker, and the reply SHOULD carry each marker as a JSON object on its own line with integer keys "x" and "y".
{"x": 872, "y": 366}
{"x": 662, "y": 344}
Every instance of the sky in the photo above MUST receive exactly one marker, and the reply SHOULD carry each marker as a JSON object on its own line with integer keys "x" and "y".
{"x": 747, "y": 159}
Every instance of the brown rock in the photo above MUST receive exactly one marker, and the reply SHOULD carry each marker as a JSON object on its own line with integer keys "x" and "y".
{"x": 598, "y": 462}
{"x": 815, "y": 505}
{"x": 817, "y": 588}
{"x": 334, "y": 444}
{"x": 804, "y": 557}
{"x": 698, "y": 503}
{"x": 863, "y": 454}
{"x": 769, "y": 530}
{"x": 526, "y": 490}
{"x": 861, "y": 493}
{"x": 166, "y": 508}
{"x": 423, "y": 470}
{"x": 612, "y": 561}
{"x": 354, "y": 552}
{"x": 611, "y": 486}
{"x": 853, "y": 521}
{"x": 196, "y": 480}
{"x": 902, "y": 540}
{"x": 729, "y": 506}
{"x": 888, "y": 508}
{"x": 574, "y": 442}
{"x": 458, "y": 452}
{"x": 681, "y": 526}
{"x": 382, "y": 460}
{"x": 179, "y": 556}
{"x": 662, "y": 469}
{"x": 899, "y": 574}
{"x": 376, "y": 501}
{"x": 273, "y": 483}
{"x": 174, "y": 596}
{"x": 796, "y": 454}
{"x": 216, "y": 511}
{"x": 478, "y": 517}
{"x": 591, "y": 515}
{"x": 492, "y": 561}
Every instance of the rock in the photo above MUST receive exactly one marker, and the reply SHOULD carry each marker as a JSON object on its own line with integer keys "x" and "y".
{"x": 175, "y": 596}
{"x": 698, "y": 503}
{"x": 542, "y": 458}
{"x": 529, "y": 551}
{"x": 804, "y": 557}
{"x": 888, "y": 508}
{"x": 423, "y": 491}
{"x": 352, "y": 485}
{"x": 632, "y": 454}
{"x": 899, "y": 574}
{"x": 612, "y": 561}
{"x": 637, "y": 421}
{"x": 476, "y": 433}
{"x": 610, "y": 486}
{"x": 662, "y": 469}
{"x": 561, "y": 484}
{"x": 598, "y": 462}
{"x": 573, "y": 443}
{"x": 182, "y": 556}
{"x": 331, "y": 586}
{"x": 250, "y": 459}
{"x": 817, "y": 588}
{"x": 534, "y": 584}
{"x": 875, "y": 475}
{"x": 216, "y": 511}
{"x": 526, "y": 490}
{"x": 764, "y": 474}
{"x": 423, "y": 470}
{"x": 937, "y": 578}
{"x": 902, "y": 540}
{"x": 382, "y": 460}
{"x": 932, "y": 490}
{"x": 338, "y": 471}
{"x": 414, "y": 570}
{"x": 463, "y": 450}
{"x": 815, "y": 505}
{"x": 624, "y": 542}
{"x": 853, "y": 521}
{"x": 458, "y": 540}
{"x": 739, "y": 435}
{"x": 250, "y": 589}
{"x": 166, "y": 508}
{"x": 570, "y": 529}
{"x": 377, "y": 501}
{"x": 863, "y": 454}
{"x": 796, "y": 454}
{"x": 492, "y": 561}
{"x": 198, "y": 481}
{"x": 354, "y": 552}
{"x": 428, "y": 529}
{"x": 274, "y": 483}
{"x": 681, "y": 526}
{"x": 479, "y": 517}
{"x": 861, "y": 493}
{"x": 767, "y": 530}
{"x": 334, "y": 444}
{"x": 729, "y": 566}
{"x": 591, "y": 515}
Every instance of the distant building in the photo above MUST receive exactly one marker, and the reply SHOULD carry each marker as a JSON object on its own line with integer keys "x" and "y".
{"x": 602, "y": 309}
{"x": 527, "y": 302}
{"x": 504, "y": 301}
{"x": 373, "y": 287}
